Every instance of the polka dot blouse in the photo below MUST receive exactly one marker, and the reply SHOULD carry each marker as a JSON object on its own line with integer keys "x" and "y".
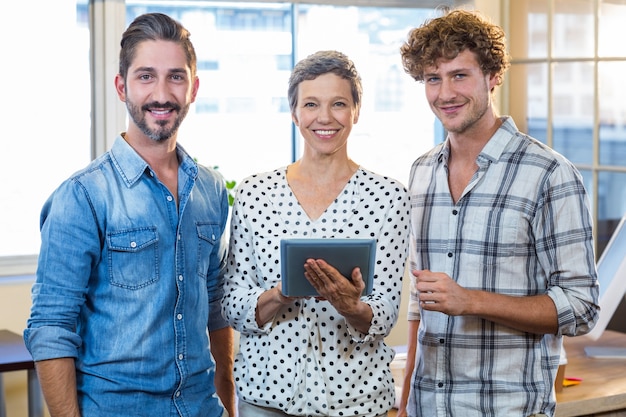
{"x": 308, "y": 361}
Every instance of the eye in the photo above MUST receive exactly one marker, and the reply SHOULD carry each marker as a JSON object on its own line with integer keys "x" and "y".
{"x": 145, "y": 77}
{"x": 340, "y": 104}
{"x": 309, "y": 104}
{"x": 459, "y": 76}
{"x": 432, "y": 79}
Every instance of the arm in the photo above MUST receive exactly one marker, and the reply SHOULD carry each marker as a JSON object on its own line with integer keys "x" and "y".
{"x": 343, "y": 294}
{"x": 223, "y": 351}
{"x": 376, "y": 314}
{"x": 249, "y": 302}
{"x": 533, "y": 314}
{"x": 58, "y": 384}
{"x": 409, "y": 367}
{"x": 269, "y": 303}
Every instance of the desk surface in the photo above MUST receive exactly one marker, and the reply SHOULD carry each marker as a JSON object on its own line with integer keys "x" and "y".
{"x": 603, "y": 386}
{"x": 13, "y": 353}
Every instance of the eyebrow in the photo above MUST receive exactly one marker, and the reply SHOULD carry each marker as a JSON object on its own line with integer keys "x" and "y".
{"x": 152, "y": 69}
{"x": 448, "y": 73}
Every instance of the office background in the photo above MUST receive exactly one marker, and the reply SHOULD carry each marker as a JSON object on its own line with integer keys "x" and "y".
{"x": 60, "y": 110}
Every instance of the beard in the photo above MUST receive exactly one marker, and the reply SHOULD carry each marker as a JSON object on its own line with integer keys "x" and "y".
{"x": 475, "y": 114}
{"x": 162, "y": 132}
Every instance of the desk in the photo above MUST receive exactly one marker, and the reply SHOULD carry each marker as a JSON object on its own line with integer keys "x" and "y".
{"x": 602, "y": 391}
{"x": 15, "y": 357}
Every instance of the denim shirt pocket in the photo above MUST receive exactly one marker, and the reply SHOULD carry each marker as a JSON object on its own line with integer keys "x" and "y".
{"x": 208, "y": 237}
{"x": 133, "y": 257}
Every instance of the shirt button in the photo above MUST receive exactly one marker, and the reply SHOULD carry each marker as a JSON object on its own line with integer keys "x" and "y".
{"x": 180, "y": 277}
{"x": 178, "y": 393}
{"x": 449, "y": 254}
{"x": 440, "y": 385}
{"x": 179, "y": 316}
{"x": 169, "y": 198}
{"x": 133, "y": 244}
{"x": 455, "y": 212}
{"x": 442, "y": 341}
{"x": 180, "y": 357}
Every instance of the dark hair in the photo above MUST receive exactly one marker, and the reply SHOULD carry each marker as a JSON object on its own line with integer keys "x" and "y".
{"x": 447, "y": 36}
{"x": 323, "y": 62}
{"x": 154, "y": 26}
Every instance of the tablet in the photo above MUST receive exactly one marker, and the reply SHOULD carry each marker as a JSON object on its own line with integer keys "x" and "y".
{"x": 343, "y": 254}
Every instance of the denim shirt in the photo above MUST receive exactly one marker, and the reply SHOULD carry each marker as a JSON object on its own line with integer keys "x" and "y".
{"x": 127, "y": 284}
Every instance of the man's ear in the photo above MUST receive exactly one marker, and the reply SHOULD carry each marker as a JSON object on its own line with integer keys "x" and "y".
{"x": 194, "y": 91}
{"x": 120, "y": 87}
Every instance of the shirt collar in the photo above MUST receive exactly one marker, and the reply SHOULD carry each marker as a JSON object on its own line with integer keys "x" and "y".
{"x": 131, "y": 166}
{"x": 494, "y": 148}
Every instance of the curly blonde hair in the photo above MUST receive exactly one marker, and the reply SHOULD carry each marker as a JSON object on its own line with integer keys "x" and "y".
{"x": 447, "y": 36}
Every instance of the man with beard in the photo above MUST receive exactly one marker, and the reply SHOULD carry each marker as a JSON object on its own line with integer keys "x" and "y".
{"x": 501, "y": 254}
{"x": 132, "y": 258}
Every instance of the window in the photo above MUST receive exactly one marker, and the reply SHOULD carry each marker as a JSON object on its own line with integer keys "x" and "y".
{"x": 565, "y": 90}
{"x": 46, "y": 129}
{"x": 241, "y": 122}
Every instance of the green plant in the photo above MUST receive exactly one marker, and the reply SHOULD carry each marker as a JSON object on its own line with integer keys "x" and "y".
{"x": 231, "y": 188}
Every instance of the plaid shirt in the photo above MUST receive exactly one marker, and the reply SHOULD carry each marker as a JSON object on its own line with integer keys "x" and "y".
{"x": 522, "y": 227}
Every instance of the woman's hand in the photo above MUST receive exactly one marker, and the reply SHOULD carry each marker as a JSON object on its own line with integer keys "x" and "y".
{"x": 344, "y": 294}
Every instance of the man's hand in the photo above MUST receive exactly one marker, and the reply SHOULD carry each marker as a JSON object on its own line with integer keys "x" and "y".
{"x": 439, "y": 292}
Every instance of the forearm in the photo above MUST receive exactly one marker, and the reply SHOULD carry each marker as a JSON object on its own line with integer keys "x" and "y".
{"x": 533, "y": 314}
{"x": 58, "y": 384}
{"x": 360, "y": 317}
{"x": 269, "y": 303}
{"x": 409, "y": 366}
{"x": 222, "y": 349}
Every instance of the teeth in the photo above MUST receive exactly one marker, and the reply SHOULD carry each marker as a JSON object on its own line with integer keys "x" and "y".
{"x": 160, "y": 111}
{"x": 325, "y": 132}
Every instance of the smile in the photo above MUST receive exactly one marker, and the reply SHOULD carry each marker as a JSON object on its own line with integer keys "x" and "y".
{"x": 161, "y": 112}
{"x": 326, "y": 132}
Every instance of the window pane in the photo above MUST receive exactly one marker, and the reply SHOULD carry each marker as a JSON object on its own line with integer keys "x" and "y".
{"x": 396, "y": 124}
{"x": 46, "y": 109}
{"x": 611, "y": 205}
{"x": 572, "y": 99}
{"x": 612, "y": 113}
{"x": 242, "y": 122}
{"x": 530, "y": 27}
{"x": 611, "y": 28}
{"x": 529, "y": 108}
{"x": 573, "y": 28}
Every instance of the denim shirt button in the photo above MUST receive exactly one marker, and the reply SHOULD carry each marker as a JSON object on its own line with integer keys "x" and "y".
{"x": 180, "y": 277}
{"x": 179, "y": 316}
{"x": 133, "y": 244}
{"x": 169, "y": 198}
{"x": 178, "y": 393}
{"x": 180, "y": 357}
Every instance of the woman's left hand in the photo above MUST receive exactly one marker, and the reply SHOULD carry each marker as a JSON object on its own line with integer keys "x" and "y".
{"x": 342, "y": 292}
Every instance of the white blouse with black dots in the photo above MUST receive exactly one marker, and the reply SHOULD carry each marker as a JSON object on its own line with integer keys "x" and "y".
{"x": 308, "y": 361}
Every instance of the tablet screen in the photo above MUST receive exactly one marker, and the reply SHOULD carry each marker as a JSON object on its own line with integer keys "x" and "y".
{"x": 343, "y": 254}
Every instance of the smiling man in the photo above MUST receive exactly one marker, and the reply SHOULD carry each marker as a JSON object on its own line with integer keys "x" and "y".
{"x": 126, "y": 304}
{"x": 501, "y": 251}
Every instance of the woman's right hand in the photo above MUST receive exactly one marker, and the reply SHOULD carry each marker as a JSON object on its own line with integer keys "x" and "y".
{"x": 270, "y": 302}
